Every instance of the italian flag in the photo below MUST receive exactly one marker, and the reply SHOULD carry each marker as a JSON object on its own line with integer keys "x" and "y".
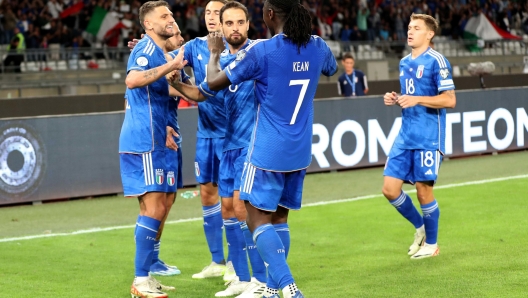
{"x": 479, "y": 27}
{"x": 103, "y": 22}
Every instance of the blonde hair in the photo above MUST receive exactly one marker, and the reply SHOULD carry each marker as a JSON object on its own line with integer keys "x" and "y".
{"x": 430, "y": 22}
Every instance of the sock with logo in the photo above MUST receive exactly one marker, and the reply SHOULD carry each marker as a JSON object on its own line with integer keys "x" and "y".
{"x": 273, "y": 253}
{"x": 431, "y": 215}
{"x": 237, "y": 244}
{"x": 283, "y": 230}
{"x": 212, "y": 216}
{"x": 147, "y": 229}
{"x": 257, "y": 265}
{"x": 405, "y": 206}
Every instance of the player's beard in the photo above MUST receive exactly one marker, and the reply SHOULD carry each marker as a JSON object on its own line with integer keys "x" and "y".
{"x": 236, "y": 41}
{"x": 164, "y": 33}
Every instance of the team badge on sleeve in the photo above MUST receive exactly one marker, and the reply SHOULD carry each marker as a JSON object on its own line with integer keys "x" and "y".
{"x": 420, "y": 71}
{"x": 159, "y": 176}
{"x": 444, "y": 73}
{"x": 142, "y": 61}
{"x": 240, "y": 55}
{"x": 170, "y": 178}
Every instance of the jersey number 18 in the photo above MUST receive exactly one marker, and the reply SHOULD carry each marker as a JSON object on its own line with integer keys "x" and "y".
{"x": 409, "y": 86}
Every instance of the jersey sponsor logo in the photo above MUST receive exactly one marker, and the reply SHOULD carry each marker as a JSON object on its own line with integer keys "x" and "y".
{"x": 159, "y": 176}
{"x": 170, "y": 178}
{"x": 199, "y": 57}
{"x": 429, "y": 172}
{"x": 345, "y": 83}
{"x": 420, "y": 71}
{"x": 444, "y": 73}
{"x": 142, "y": 61}
{"x": 196, "y": 169}
{"x": 401, "y": 73}
{"x": 22, "y": 161}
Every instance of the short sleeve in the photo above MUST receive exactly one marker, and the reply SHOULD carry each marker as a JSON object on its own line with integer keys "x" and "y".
{"x": 443, "y": 74}
{"x": 204, "y": 89}
{"x": 139, "y": 61}
{"x": 246, "y": 67}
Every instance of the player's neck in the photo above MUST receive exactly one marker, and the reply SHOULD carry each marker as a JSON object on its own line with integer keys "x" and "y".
{"x": 158, "y": 40}
{"x": 419, "y": 50}
{"x": 235, "y": 49}
{"x": 349, "y": 72}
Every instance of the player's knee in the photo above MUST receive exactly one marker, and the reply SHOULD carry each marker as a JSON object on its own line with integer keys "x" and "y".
{"x": 240, "y": 212}
{"x": 389, "y": 192}
{"x": 209, "y": 194}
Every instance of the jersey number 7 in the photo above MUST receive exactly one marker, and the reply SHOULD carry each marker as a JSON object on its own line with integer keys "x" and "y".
{"x": 304, "y": 87}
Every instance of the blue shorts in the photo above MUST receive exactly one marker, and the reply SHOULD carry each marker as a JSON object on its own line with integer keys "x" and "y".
{"x": 231, "y": 167}
{"x": 142, "y": 173}
{"x": 207, "y": 160}
{"x": 266, "y": 190}
{"x": 413, "y": 165}
{"x": 174, "y": 169}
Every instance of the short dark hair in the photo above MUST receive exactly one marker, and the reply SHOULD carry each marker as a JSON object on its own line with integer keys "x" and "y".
{"x": 233, "y": 4}
{"x": 148, "y": 7}
{"x": 347, "y": 55}
{"x": 221, "y": 1}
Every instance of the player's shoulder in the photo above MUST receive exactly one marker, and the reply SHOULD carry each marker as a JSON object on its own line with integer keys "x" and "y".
{"x": 255, "y": 45}
{"x": 317, "y": 40}
{"x": 342, "y": 77}
{"x": 145, "y": 46}
{"x": 405, "y": 59}
{"x": 436, "y": 58}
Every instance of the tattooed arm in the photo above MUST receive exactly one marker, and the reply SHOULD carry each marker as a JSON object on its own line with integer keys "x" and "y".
{"x": 137, "y": 78}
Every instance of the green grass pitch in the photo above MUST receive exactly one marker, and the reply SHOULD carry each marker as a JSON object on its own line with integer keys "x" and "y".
{"x": 354, "y": 248}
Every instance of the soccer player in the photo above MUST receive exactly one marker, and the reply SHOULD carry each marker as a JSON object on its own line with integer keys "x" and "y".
{"x": 286, "y": 71}
{"x": 143, "y": 137}
{"x": 209, "y": 142}
{"x": 173, "y": 158}
{"x": 427, "y": 89}
{"x": 240, "y": 105}
{"x": 352, "y": 82}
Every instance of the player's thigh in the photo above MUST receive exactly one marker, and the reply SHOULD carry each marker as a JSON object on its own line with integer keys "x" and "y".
{"x": 291, "y": 197}
{"x": 239, "y": 206}
{"x": 206, "y": 162}
{"x": 142, "y": 173}
{"x": 154, "y": 204}
{"x": 262, "y": 189}
{"x": 226, "y": 179}
{"x": 399, "y": 164}
{"x": 426, "y": 165}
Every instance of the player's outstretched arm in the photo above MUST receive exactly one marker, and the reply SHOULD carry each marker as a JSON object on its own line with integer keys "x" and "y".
{"x": 446, "y": 99}
{"x": 184, "y": 90}
{"x": 138, "y": 79}
{"x": 216, "y": 78}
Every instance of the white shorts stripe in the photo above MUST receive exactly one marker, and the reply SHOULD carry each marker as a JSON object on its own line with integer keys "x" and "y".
{"x": 151, "y": 169}
{"x": 145, "y": 169}
{"x": 252, "y": 179}
{"x": 246, "y": 180}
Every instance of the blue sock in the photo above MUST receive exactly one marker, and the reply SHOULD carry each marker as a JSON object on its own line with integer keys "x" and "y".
{"x": 273, "y": 253}
{"x": 431, "y": 215}
{"x": 155, "y": 255}
{"x": 405, "y": 206}
{"x": 146, "y": 232}
{"x": 212, "y": 216}
{"x": 236, "y": 243}
{"x": 137, "y": 221}
{"x": 283, "y": 230}
{"x": 257, "y": 265}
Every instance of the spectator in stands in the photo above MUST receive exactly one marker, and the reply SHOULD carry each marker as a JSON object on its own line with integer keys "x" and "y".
{"x": 54, "y": 8}
{"x": 344, "y": 36}
{"x": 13, "y": 59}
{"x": 352, "y": 82}
{"x": 362, "y": 15}
{"x": 193, "y": 24}
{"x": 9, "y": 23}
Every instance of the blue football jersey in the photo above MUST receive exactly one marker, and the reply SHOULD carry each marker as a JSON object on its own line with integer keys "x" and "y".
{"x": 426, "y": 75}
{"x": 144, "y": 127}
{"x": 211, "y": 113}
{"x": 285, "y": 85}
{"x": 173, "y": 111}
{"x": 240, "y": 105}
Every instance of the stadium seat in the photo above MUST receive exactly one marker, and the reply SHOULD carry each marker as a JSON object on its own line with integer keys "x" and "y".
{"x": 54, "y": 51}
{"x": 101, "y": 63}
{"x": 61, "y": 65}
{"x": 32, "y": 66}
{"x": 82, "y": 64}
{"x": 360, "y": 55}
{"x": 51, "y": 65}
{"x": 72, "y": 64}
{"x": 23, "y": 67}
{"x": 367, "y": 56}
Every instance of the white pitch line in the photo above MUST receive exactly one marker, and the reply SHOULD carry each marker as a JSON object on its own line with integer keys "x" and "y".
{"x": 96, "y": 230}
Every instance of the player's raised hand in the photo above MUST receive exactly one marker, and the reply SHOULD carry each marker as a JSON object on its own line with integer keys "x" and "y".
{"x": 390, "y": 98}
{"x": 173, "y": 77}
{"x": 134, "y": 42}
{"x": 407, "y": 101}
{"x": 215, "y": 42}
{"x": 170, "y": 143}
{"x": 178, "y": 63}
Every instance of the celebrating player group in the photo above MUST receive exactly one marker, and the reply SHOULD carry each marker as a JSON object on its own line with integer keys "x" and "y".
{"x": 255, "y": 104}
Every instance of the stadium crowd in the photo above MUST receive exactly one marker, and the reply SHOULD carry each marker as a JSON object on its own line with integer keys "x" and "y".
{"x": 41, "y": 22}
